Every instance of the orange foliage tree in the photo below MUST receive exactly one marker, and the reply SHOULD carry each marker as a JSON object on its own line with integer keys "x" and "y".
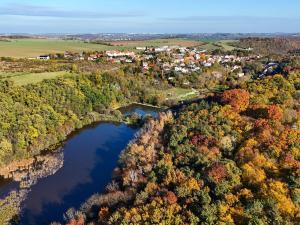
{"x": 275, "y": 112}
{"x": 237, "y": 98}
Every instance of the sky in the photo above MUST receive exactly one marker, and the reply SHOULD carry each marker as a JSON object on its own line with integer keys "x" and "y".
{"x": 149, "y": 16}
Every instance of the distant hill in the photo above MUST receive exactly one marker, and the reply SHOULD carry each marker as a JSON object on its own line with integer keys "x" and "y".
{"x": 280, "y": 45}
{"x": 148, "y": 36}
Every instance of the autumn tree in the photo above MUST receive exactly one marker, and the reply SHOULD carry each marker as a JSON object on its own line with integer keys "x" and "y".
{"x": 237, "y": 98}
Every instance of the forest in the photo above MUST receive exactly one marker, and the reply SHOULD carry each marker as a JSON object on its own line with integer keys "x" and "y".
{"x": 270, "y": 45}
{"x": 233, "y": 158}
{"x": 35, "y": 117}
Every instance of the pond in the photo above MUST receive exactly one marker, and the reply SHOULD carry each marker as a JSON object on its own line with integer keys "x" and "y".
{"x": 69, "y": 176}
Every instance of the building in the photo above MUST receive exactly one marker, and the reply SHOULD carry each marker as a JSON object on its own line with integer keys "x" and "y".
{"x": 115, "y": 54}
{"x": 141, "y": 48}
{"x": 43, "y": 57}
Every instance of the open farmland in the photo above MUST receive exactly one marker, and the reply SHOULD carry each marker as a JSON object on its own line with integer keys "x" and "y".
{"x": 157, "y": 43}
{"x": 24, "y": 48}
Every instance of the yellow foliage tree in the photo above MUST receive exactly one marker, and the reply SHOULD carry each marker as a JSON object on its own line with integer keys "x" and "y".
{"x": 279, "y": 192}
{"x": 252, "y": 174}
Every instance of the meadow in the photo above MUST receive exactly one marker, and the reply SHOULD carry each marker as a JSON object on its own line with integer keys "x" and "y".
{"x": 227, "y": 44}
{"x": 221, "y": 44}
{"x": 157, "y": 43}
{"x": 21, "y": 79}
{"x": 178, "y": 94}
{"x": 26, "y": 48}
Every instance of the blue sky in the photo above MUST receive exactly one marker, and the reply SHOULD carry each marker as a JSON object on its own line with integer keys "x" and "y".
{"x": 153, "y": 16}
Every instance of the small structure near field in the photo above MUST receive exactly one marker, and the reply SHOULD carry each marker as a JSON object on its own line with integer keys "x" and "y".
{"x": 43, "y": 57}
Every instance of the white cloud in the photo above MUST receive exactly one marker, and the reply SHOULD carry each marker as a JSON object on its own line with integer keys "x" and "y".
{"x": 43, "y": 11}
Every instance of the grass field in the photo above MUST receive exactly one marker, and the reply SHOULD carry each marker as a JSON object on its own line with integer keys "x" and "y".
{"x": 226, "y": 44}
{"x": 180, "y": 94}
{"x": 157, "y": 43}
{"x": 25, "y": 48}
{"x": 209, "y": 46}
{"x": 222, "y": 44}
{"x": 20, "y": 79}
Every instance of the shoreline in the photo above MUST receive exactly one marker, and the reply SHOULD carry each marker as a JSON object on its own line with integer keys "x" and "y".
{"x": 16, "y": 170}
{"x": 7, "y": 170}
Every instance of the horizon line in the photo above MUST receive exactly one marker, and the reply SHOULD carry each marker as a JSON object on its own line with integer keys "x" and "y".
{"x": 144, "y": 33}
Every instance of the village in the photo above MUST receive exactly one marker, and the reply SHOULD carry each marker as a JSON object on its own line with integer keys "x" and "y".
{"x": 171, "y": 60}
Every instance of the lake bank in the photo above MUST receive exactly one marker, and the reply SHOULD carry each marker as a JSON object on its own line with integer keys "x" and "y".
{"x": 79, "y": 151}
{"x": 114, "y": 116}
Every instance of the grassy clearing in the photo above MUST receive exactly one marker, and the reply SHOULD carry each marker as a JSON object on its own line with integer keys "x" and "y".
{"x": 180, "y": 94}
{"x": 4, "y": 75}
{"x": 223, "y": 44}
{"x": 226, "y": 44}
{"x": 209, "y": 46}
{"x": 25, "y": 48}
{"x": 20, "y": 79}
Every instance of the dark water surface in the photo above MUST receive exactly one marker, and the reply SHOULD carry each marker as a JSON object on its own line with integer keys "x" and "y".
{"x": 83, "y": 167}
{"x": 140, "y": 109}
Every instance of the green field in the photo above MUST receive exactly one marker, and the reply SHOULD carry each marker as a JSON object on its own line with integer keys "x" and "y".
{"x": 158, "y": 42}
{"x": 226, "y": 44}
{"x": 180, "y": 94}
{"x": 20, "y": 79}
{"x": 25, "y": 48}
{"x": 222, "y": 44}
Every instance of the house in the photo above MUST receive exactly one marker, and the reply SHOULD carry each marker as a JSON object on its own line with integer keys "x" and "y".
{"x": 235, "y": 67}
{"x": 270, "y": 64}
{"x": 183, "y": 50}
{"x": 166, "y": 67}
{"x": 114, "y": 54}
{"x": 145, "y": 66}
{"x": 179, "y": 60}
{"x": 43, "y": 57}
{"x": 68, "y": 54}
{"x": 148, "y": 57}
{"x": 217, "y": 74}
{"x": 196, "y": 69}
{"x": 181, "y": 69}
{"x": 129, "y": 61}
{"x": 241, "y": 75}
{"x": 92, "y": 58}
{"x": 141, "y": 48}
{"x": 177, "y": 69}
{"x": 162, "y": 49}
{"x": 207, "y": 64}
{"x": 118, "y": 56}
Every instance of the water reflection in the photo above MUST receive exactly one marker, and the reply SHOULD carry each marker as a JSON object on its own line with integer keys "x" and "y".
{"x": 47, "y": 187}
{"x": 140, "y": 109}
{"x": 17, "y": 182}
